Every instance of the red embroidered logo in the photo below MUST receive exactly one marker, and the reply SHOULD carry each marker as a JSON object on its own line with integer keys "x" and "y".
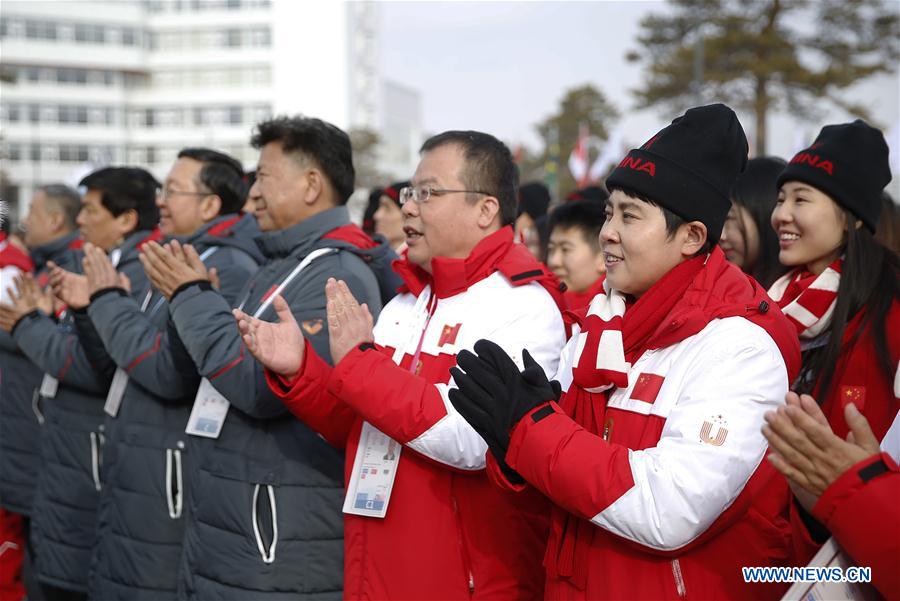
{"x": 647, "y": 387}
{"x": 638, "y": 165}
{"x": 813, "y": 160}
{"x": 448, "y": 334}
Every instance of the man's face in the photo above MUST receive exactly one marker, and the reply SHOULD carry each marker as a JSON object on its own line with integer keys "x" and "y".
{"x": 99, "y": 226}
{"x": 636, "y": 248}
{"x": 446, "y": 225}
{"x": 184, "y": 203}
{"x": 574, "y": 260}
{"x": 280, "y": 189}
{"x": 42, "y": 222}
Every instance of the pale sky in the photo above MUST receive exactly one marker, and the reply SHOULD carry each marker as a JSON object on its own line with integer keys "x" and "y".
{"x": 503, "y": 66}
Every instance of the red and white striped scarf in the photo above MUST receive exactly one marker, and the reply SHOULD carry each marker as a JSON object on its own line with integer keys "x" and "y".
{"x": 807, "y": 299}
{"x": 611, "y": 339}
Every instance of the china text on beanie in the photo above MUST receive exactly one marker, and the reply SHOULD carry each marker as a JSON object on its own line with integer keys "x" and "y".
{"x": 849, "y": 163}
{"x": 690, "y": 166}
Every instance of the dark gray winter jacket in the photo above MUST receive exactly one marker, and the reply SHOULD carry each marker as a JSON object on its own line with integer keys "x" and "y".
{"x": 65, "y": 503}
{"x": 20, "y": 411}
{"x": 147, "y": 455}
{"x": 265, "y": 520}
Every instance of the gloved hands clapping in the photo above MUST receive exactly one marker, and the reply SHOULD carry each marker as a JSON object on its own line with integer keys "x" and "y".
{"x": 493, "y": 395}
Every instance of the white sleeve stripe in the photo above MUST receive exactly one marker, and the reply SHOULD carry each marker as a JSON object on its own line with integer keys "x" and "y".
{"x": 451, "y": 441}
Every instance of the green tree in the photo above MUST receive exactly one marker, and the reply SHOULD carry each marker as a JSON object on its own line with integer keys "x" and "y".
{"x": 759, "y": 55}
{"x": 582, "y": 105}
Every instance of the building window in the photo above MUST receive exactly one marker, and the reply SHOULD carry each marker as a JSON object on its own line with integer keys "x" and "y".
{"x": 93, "y": 34}
{"x": 234, "y": 115}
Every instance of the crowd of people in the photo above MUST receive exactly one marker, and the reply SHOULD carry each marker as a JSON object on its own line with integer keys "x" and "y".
{"x": 220, "y": 387}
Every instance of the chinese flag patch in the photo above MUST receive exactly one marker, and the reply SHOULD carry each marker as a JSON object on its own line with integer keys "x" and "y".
{"x": 448, "y": 334}
{"x": 855, "y": 395}
{"x": 647, "y": 387}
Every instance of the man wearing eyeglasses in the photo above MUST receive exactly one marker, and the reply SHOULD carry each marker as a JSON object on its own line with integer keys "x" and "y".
{"x": 147, "y": 456}
{"x": 262, "y": 518}
{"x": 422, "y": 520}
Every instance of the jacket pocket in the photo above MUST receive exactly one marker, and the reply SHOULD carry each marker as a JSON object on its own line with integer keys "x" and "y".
{"x": 96, "y": 443}
{"x": 174, "y": 483}
{"x": 270, "y": 510}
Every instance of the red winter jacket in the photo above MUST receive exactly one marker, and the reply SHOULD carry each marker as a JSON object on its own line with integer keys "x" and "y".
{"x": 12, "y": 550}
{"x": 448, "y": 532}
{"x": 859, "y": 379}
{"x": 660, "y": 488}
{"x": 862, "y": 510}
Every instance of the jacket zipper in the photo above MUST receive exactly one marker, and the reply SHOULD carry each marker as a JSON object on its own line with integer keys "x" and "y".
{"x": 174, "y": 500}
{"x": 470, "y": 583}
{"x": 36, "y": 406}
{"x": 679, "y": 579}
{"x": 95, "y": 460}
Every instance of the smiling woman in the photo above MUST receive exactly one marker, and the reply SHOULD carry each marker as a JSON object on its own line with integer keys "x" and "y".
{"x": 842, "y": 295}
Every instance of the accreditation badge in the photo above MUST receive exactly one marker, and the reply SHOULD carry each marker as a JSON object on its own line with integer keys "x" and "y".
{"x": 208, "y": 413}
{"x": 49, "y": 386}
{"x": 116, "y": 392}
{"x": 374, "y": 470}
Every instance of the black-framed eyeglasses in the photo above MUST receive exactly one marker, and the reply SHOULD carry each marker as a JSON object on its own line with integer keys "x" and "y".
{"x": 423, "y": 194}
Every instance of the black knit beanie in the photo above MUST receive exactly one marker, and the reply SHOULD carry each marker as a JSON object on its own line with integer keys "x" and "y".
{"x": 849, "y": 163}
{"x": 689, "y": 166}
{"x": 534, "y": 198}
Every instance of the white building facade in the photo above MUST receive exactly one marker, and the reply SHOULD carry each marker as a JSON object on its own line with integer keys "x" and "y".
{"x": 87, "y": 83}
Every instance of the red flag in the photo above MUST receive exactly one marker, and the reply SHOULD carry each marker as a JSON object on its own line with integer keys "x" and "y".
{"x": 448, "y": 334}
{"x": 647, "y": 387}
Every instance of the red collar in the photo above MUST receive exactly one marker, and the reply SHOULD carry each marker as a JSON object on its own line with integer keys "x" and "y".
{"x": 220, "y": 230}
{"x": 449, "y": 277}
{"x": 155, "y": 236}
{"x": 352, "y": 234}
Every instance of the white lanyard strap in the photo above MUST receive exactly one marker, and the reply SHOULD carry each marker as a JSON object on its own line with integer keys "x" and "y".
{"x": 293, "y": 274}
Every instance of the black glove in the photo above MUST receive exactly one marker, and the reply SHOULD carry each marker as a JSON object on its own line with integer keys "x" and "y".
{"x": 493, "y": 395}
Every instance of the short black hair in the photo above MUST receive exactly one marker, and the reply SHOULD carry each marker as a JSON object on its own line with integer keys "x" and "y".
{"x": 222, "y": 175}
{"x": 66, "y": 200}
{"x": 587, "y": 216}
{"x": 673, "y": 221}
{"x": 490, "y": 167}
{"x": 126, "y": 189}
{"x": 316, "y": 140}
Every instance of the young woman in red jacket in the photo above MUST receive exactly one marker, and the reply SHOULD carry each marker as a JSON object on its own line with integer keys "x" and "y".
{"x": 842, "y": 294}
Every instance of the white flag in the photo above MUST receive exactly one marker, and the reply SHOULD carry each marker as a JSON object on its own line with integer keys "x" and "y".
{"x": 612, "y": 152}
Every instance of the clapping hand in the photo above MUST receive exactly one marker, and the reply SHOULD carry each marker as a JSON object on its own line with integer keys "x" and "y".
{"x": 807, "y": 452}
{"x": 278, "y": 346}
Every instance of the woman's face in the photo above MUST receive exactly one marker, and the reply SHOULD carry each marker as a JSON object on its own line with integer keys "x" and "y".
{"x": 389, "y": 221}
{"x": 810, "y": 225}
{"x": 740, "y": 238}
